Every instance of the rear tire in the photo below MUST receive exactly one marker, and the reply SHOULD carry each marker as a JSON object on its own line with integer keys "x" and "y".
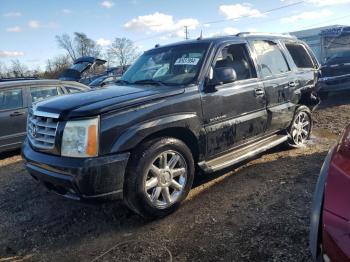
{"x": 159, "y": 177}
{"x": 300, "y": 128}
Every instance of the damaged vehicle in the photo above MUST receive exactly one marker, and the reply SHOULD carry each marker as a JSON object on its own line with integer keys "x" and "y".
{"x": 330, "y": 217}
{"x": 79, "y": 67}
{"x": 202, "y": 104}
{"x": 335, "y": 74}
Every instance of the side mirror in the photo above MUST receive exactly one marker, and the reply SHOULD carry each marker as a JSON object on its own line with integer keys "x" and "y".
{"x": 223, "y": 75}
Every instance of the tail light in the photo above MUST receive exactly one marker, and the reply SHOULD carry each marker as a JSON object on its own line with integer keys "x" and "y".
{"x": 344, "y": 145}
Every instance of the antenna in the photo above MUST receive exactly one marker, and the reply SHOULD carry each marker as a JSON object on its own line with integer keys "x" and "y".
{"x": 201, "y": 36}
{"x": 186, "y": 32}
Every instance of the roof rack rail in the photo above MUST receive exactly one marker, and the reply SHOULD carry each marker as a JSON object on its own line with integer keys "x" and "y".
{"x": 8, "y": 79}
{"x": 263, "y": 34}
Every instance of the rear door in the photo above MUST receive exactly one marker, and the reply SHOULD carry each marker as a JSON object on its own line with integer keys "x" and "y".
{"x": 279, "y": 81}
{"x": 13, "y": 115}
{"x": 234, "y": 112}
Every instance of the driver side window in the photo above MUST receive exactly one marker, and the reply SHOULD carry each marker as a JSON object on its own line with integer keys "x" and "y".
{"x": 237, "y": 57}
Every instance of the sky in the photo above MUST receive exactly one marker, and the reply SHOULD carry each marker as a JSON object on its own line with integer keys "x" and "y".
{"x": 28, "y": 27}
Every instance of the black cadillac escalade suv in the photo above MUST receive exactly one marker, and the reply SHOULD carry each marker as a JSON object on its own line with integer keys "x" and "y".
{"x": 203, "y": 104}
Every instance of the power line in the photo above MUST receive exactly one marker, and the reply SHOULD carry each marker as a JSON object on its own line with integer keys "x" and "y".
{"x": 247, "y": 16}
{"x": 226, "y": 20}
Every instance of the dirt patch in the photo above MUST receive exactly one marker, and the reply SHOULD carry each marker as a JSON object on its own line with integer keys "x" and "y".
{"x": 256, "y": 211}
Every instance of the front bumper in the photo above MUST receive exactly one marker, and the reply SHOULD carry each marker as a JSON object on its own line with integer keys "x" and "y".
{"x": 78, "y": 178}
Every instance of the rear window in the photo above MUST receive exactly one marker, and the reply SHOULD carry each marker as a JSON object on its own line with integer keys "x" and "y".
{"x": 300, "y": 56}
{"x": 11, "y": 99}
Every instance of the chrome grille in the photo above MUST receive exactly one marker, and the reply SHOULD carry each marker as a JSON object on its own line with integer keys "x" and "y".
{"x": 41, "y": 129}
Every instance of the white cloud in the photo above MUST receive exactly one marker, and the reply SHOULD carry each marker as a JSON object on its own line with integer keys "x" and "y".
{"x": 15, "y": 29}
{"x": 159, "y": 22}
{"x": 230, "y": 31}
{"x": 103, "y": 42}
{"x": 237, "y": 11}
{"x": 13, "y": 14}
{"x": 107, "y": 4}
{"x": 66, "y": 11}
{"x": 11, "y": 53}
{"x": 34, "y": 24}
{"x": 307, "y": 16}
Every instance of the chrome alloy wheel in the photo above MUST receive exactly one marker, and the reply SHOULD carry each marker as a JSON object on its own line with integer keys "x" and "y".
{"x": 301, "y": 128}
{"x": 166, "y": 179}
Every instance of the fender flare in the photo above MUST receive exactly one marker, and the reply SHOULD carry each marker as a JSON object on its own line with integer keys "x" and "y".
{"x": 131, "y": 137}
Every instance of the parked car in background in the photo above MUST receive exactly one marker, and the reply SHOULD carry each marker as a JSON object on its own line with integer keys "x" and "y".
{"x": 335, "y": 74}
{"x": 330, "y": 218}
{"x": 206, "y": 104}
{"x": 15, "y": 99}
{"x": 79, "y": 67}
{"x": 104, "y": 80}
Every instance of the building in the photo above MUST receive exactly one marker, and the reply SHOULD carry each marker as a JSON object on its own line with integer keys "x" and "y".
{"x": 326, "y": 41}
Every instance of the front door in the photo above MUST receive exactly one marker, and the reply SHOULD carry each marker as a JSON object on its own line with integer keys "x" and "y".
{"x": 234, "y": 112}
{"x": 13, "y": 115}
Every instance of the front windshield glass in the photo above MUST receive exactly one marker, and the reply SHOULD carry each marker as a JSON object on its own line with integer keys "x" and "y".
{"x": 174, "y": 65}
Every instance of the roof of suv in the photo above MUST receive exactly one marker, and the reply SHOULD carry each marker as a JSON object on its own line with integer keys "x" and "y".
{"x": 39, "y": 82}
{"x": 243, "y": 35}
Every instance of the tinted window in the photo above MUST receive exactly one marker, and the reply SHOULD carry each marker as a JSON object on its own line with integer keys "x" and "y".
{"x": 237, "y": 57}
{"x": 300, "y": 56}
{"x": 71, "y": 89}
{"x": 11, "y": 99}
{"x": 41, "y": 93}
{"x": 271, "y": 58}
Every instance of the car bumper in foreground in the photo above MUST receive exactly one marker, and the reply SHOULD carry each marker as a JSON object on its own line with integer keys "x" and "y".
{"x": 78, "y": 178}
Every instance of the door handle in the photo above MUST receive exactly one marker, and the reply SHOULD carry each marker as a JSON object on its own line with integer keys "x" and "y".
{"x": 292, "y": 84}
{"x": 17, "y": 114}
{"x": 259, "y": 92}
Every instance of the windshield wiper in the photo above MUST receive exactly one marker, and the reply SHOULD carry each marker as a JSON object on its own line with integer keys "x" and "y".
{"x": 149, "y": 82}
{"x": 121, "y": 81}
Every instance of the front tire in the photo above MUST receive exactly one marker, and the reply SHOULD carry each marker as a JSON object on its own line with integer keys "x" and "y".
{"x": 159, "y": 177}
{"x": 301, "y": 126}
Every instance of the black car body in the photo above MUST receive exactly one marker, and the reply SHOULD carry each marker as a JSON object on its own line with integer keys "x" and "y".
{"x": 335, "y": 74}
{"x": 17, "y": 96}
{"x": 207, "y": 103}
{"x": 104, "y": 80}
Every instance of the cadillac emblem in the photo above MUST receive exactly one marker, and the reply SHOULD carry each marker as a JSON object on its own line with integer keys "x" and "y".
{"x": 34, "y": 131}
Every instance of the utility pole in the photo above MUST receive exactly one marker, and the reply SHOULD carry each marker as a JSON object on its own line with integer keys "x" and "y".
{"x": 186, "y": 32}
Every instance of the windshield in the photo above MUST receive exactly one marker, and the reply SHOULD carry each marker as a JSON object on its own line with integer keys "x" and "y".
{"x": 174, "y": 65}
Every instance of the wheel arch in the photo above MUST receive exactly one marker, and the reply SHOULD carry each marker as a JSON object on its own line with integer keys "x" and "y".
{"x": 185, "y": 127}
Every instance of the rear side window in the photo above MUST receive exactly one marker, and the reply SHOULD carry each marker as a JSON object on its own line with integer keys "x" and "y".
{"x": 271, "y": 58}
{"x": 300, "y": 56}
{"x": 72, "y": 90}
{"x": 41, "y": 93}
{"x": 11, "y": 99}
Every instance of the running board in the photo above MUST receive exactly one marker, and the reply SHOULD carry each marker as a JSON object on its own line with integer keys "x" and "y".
{"x": 242, "y": 154}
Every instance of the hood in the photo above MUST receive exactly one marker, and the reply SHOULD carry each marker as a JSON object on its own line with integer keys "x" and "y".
{"x": 101, "y": 100}
{"x": 79, "y": 66}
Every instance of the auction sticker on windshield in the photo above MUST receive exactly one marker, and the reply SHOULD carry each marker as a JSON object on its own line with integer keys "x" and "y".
{"x": 187, "y": 61}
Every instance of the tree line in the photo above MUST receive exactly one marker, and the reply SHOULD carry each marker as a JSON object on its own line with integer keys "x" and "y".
{"x": 122, "y": 52}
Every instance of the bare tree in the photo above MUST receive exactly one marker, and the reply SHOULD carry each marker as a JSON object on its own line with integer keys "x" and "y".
{"x": 55, "y": 66}
{"x": 18, "y": 69}
{"x": 124, "y": 50}
{"x": 79, "y": 45}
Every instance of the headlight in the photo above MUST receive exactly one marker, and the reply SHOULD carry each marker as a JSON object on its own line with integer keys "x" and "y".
{"x": 80, "y": 138}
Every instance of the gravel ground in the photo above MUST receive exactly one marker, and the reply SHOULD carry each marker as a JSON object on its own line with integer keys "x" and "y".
{"x": 258, "y": 211}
